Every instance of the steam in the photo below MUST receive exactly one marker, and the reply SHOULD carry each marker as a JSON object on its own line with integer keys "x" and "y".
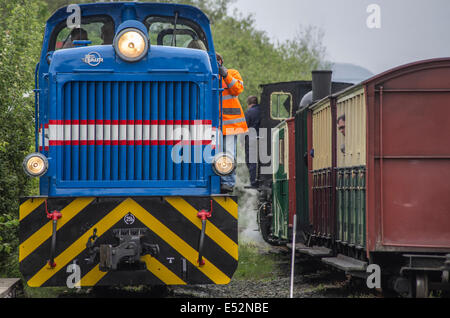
{"x": 248, "y": 203}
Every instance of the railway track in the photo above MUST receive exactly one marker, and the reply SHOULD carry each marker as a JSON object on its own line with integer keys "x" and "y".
{"x": 312, "y": 280}
{"x": 10, "y": 287}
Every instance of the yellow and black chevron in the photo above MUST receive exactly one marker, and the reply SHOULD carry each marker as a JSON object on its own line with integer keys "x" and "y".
{"x": 171, "y": 223}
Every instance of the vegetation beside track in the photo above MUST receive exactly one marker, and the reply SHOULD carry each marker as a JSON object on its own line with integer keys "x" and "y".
{"x": 254, "y": 265}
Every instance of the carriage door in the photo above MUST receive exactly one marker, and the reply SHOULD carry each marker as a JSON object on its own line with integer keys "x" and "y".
{"x": 281, "y": 183}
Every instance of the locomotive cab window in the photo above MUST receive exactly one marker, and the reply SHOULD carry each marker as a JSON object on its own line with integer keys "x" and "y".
{"x": 280, "y": 106}
{"x": 165, "y": 31}
{"x": 93, "y": 31}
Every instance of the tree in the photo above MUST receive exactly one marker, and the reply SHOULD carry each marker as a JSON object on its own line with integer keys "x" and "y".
{"x": 21, "y": 30}
{"x": 259, "y": 61}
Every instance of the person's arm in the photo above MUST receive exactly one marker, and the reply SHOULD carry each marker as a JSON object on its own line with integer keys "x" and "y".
{"x": 234, "y": 82}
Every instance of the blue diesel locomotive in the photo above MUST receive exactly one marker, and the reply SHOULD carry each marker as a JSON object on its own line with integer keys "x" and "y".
{"x": 128, "y": 121}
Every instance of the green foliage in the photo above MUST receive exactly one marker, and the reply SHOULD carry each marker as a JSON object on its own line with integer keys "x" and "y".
{"x": 21, "y": 29}
{"x": 258, "y": 60}
{"x": 254, "y": 265}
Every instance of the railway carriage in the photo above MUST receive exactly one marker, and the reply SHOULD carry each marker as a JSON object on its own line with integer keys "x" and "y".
{"x": 373, "y": 186}
{"x": 280, "y": 102}
{"x": 127, "y": 152}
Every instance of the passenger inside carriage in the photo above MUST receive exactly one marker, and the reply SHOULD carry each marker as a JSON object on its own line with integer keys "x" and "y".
{"x": 341, "y": 124}
{"x": 341, "y": 128}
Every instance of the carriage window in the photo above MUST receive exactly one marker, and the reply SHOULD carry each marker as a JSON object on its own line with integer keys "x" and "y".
{"x": 281, "y": 106}
{"x": 186, "y": 34}
{"x": 96, "y": 31}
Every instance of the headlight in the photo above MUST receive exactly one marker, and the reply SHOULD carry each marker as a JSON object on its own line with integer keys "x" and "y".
{"x": 35, "y": 165}
{"x": 131, "y": 45}
{"x": 224, "y": 164}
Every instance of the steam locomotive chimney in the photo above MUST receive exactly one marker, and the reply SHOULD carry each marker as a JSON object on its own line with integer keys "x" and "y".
{"x": 321, "y": 84}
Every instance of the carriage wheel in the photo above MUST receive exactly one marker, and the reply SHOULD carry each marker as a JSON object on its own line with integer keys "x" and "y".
{"x": 265, "y": 222}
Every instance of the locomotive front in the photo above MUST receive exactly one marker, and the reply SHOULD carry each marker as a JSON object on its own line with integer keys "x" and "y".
{"x": 127, "y": 138}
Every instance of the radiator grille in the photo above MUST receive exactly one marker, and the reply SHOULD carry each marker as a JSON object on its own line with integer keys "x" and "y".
{"x": 126, "y": 131}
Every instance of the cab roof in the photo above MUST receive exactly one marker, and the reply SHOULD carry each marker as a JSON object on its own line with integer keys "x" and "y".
{"x": 123, "y": 11}
{"x": 120, "y": 11}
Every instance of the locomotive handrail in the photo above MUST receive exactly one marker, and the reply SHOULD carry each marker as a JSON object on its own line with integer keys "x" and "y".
{"x": 36, "y": 107}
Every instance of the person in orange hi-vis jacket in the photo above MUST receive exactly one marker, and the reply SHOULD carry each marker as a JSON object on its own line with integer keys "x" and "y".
{"x": 233, "y": 117}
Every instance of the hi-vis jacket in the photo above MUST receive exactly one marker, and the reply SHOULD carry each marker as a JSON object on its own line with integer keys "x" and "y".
{"x": 233, "y": 117}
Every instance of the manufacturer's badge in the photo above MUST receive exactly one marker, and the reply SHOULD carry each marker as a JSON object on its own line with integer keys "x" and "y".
{"x": 93, "y": 59}
{"x": 129, "y": 219}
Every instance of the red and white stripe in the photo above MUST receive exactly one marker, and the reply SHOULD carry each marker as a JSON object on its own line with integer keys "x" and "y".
{"x": 44, "y": 136}
{"x": 40, "y": 138}
{"x": 130, "y": 133}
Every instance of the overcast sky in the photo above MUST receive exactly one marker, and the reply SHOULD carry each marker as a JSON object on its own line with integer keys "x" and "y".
{"x": 410, "y": 30}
